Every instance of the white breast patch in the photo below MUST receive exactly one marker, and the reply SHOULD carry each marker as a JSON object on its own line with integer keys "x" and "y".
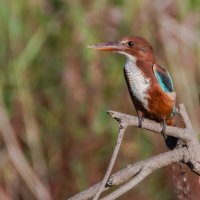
{"x": 137, "y": 81}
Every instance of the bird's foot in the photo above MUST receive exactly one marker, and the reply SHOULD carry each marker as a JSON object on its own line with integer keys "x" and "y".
{"x": 140, "y": 119}
{"x": 163, "y": 129}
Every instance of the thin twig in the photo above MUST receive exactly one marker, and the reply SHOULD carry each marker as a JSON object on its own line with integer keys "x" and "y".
{"x": 187, "y": 153}
{"x": 122, "y": 128}
{"x": 147, "y": 168}
{"x": 185, "y": 117}
{"x": 131, "y": 170}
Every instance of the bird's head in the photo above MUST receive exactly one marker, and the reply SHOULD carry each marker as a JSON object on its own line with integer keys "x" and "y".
{"x": 135, "y": 47}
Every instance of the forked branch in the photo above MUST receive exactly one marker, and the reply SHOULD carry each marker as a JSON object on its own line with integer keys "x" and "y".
{"x": 134, "y": 174}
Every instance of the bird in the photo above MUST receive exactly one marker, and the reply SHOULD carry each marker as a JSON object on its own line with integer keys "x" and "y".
{"x": 150, "y": 86}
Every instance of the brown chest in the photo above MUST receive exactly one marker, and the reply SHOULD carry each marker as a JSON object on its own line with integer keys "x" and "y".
{"x": 159, "y": 102}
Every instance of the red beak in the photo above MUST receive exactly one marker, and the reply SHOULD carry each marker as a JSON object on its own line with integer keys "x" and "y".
{"x": 109, "y": 46}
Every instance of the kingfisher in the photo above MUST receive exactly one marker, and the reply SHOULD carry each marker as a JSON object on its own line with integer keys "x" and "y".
{"x": 150, "y": 85}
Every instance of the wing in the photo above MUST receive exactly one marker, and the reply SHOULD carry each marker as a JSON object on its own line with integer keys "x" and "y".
{"x": 164, "y": 78}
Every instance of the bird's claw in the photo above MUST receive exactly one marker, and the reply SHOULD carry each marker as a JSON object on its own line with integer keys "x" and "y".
{"x": 140, "y": 119}
{"x": 163, "y": 128}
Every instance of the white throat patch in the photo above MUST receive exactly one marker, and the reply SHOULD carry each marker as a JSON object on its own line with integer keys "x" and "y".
{"x": 137, "y": 81}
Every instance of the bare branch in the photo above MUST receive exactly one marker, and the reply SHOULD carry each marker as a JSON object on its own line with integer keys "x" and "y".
{"x": 150, "y": 125}
{"x": 122, "y": 128}
{"x": 187, "y": 153}
{"x": 147, "y": 167}
{"x": 131, "y": 170}
{"x": 185, "y": 117}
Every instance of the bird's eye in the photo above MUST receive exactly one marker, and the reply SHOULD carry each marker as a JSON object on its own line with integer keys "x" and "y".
{"x": 130, "y": 43}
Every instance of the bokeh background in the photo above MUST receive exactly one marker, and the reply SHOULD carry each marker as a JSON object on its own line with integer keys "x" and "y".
{"x": 55, "y": 136}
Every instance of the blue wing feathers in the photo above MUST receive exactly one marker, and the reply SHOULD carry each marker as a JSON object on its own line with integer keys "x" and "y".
{"x": 164, "y": 78}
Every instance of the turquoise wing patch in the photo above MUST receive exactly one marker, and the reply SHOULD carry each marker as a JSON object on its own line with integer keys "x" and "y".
{"x": 164, "y": 78}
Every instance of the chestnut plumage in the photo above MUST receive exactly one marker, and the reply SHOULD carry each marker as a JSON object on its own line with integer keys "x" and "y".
{"x": 150, "y": 86}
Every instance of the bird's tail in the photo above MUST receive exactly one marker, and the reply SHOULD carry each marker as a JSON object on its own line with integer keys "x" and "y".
{"x": 171, "y": 141}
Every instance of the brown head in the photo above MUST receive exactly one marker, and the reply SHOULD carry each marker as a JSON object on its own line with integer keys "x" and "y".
{"x": 136, "y": 47}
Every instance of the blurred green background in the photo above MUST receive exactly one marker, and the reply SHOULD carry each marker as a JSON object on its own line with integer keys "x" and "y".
{"x": 55, "y": 91}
